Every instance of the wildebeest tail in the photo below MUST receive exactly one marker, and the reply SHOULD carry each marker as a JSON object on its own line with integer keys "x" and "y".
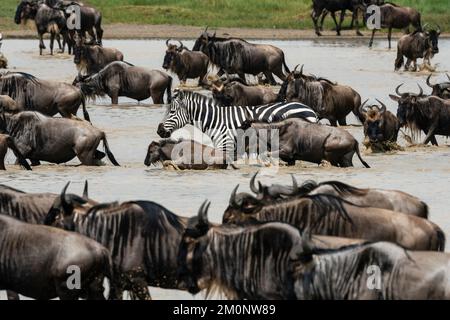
{"x": 83, "y": 104}
{"x": 286, "y": 68}
{"x": 169, "y": 90}
{"x": 359, "y": 155}
{"x": 440, "y": 239}
{"x": 426, "y": 210}
{"x": 108, "y": 152}
{"x": 399, "y": 61}
{"x": 22, "y": 161}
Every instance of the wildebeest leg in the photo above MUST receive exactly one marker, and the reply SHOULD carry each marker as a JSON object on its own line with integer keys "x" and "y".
{"x": 314, "y": 18}
{"x": 415, "y": 65}
{"x": 157, "y": 96}
{"x": 58, "y": 40}
{"x": 41, "y": 43}
{"x": 323, "y": 16}
{"x": 342, "y": 121}
{"x": 338, "y": 27}
{"x": 114, "y": 97}
{"x": 270, "y": 77}
{"x": 35, "y": 163}
{"x": 407, "y": 64}
{"x": 95, "y": 290}
{"x": 333, "y": 122}
{"x": 390, "y": 37}
{"x": 11, "y": 295}
{"x": 371, "y": 38}
{"x": 430, "y": 133}
{"x": 86, "y": 151}
{"x": 333, "y": 15}
{"x": 52, "y": 42}
{"x": 355, "y": 19}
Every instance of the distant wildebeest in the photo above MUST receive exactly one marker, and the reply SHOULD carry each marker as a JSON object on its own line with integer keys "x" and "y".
{"x": 324, "y": 214}
{"x": 429, "y": 114}
{"x": 90, "y": 59}
{"x": 185, "y": 155}
{"x": 55, "y": 140}
{"x": 236, "y": 93}
{"x": 186, "y": 64}
{"x": 394, "y": 200}
{"x": 47, "y": 20}
{"x": 417, "y": 45}
{"x": 397, "y": 17}
{"x": 345, "y": 273}
{"x": 441, "y": 90}
{"x": 39, "y": 260}
{"x": 322, "y": 7}
{"x": 330, "y": 100}
{"x": 120, "y": 79}
{"x": 90, "y": 20}
{"x": 235, "y": 55}
{"x": 46, "y": 97}
{"x": 142, "y": 236}
{"x": 380, "y": 125}
{"x": 6, "y": 142}
{"x": 312, "y": 142}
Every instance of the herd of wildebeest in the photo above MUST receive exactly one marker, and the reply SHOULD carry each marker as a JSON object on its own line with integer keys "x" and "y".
{"x": 302, "y": 241}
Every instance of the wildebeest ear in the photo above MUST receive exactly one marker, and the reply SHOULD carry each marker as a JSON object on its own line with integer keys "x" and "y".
{"x": 393, "y": 97}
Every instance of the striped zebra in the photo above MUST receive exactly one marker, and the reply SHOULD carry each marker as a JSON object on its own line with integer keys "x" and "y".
{"x": 221, "y": 123}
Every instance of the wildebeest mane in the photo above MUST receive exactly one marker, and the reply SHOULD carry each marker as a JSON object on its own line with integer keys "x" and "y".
{"x": 22, "y": 127}
{"x": 231, "y": 54}
{"x": 342, "y": 188}
{"x": 327, "y": 203}
{"x": 20, "y": 86}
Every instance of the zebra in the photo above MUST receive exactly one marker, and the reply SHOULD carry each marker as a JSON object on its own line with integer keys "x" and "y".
{"x": 222, "y": 123}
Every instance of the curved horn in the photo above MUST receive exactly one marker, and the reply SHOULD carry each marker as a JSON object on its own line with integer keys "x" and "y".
{"x": 63, "y": 196}
{"x": 252, "y": 184}
{"x": 294, "y": 184}
{"x": 421, "y": 90}
{"x": 361, "y": 108}
{"x": 85, "y": 191}
{"x": 233, "y": 202}
{"x": 301, "y": 70}
{"x": 397, "y": 91}
{"x": 181, "y": 44}
{"x": 295, "y": 69}
{"x": 448, "y": 76}
{"x": 383, "y": 106}
{"x": 206, "y": 29}
{"x": 167, "y": 42}
{"x": 428, "y": 81}
{"x": 203, "y": 213}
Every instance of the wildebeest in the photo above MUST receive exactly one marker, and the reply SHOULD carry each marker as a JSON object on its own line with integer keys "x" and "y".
{"x": 47, "y": 97}
{"x": 142, "y": 236}
{"x": 420, "y": 113}
{"x": 186, "y": 64}
{"x": 3, "y": 60}
{"x": 90, "y": 59}
{"x": 38, "y": 262}
{"x": 394, "y": 200}
{"x": 6, "y": 142}
{"x": 441, "y": 90}
{"x": 233, "y": 55}
{"x": 397, "y": 17}
{"x": 312, "y": 142}
{"x": 330, "y": 100}
{"x": 322, "y": 7}
{"x": 324, "y": 214}
{"x": 237, "y": 93}
{"x": 369, "y": 271}
{"x": 185, "y": 155}
{"x": 380, "y": 125}
{"x": 122, "y": 79}
{"x": 47, "y": 20}
{"x": 417, "y": 45}
{"x": 55, "y": 140}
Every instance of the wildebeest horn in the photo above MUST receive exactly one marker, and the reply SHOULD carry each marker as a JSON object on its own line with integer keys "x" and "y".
{"x": 397, "y": 91}
{"x": 206, "y": 29}
{"x": 252, "y": 184}
{"x": 181, "y": 44}
{"x": 295, "y": 69}
{"x": 64, "y": 203}
{"x": 294, "y": 184}
{"x": 383, "y": 106}
{"x": 361, "y": 108}
{"x": 233, "y": 202}
{"x": 167, "y": 42}
{"x": 301, "y": 70}
{"x": 428, "y": 81}
{"x": 203, "y": 213}
{"x": 448, "y": 76}
{"x": 86, "y": 191}
{"x": 421, "y": 90}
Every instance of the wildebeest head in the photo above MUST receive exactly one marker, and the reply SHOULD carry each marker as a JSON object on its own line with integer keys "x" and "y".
{"x": 26, "y": 10}
{"x": 242, "y": 207}
{"x": 171, "y": 53}
{"x": 153, "y": 153}
{"x": 374, "y": 121}
{"x": 433, "y": 39}
{"x": 407, "y": 105}
{"x": 61, "y": 214}
{"x": 224, "y": 91}
{"x": 441, "y": 90}
{"x": 177, "y": 115}
{"x": 201, "y": 41}
{"x": 79, "y": 50}
{"x": 192, "y": 272}
{"x": 91, "y": 86}
{"x": 293, "y": 85}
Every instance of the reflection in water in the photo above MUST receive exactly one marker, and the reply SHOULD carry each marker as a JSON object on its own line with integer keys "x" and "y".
{"x": 422, "y": 171}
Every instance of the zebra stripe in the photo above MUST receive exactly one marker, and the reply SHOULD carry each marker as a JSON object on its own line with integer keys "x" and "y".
{"x": 221, "y": 123}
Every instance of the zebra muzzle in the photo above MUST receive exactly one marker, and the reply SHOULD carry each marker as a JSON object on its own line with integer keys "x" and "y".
{"x": 162, "y": 132}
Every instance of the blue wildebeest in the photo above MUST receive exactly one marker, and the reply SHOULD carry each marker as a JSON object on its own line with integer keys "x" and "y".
{"x": 420, "y": 44}
{"x": 397, "y": 17}
{"x": 394, "y": 200}
{"x": 325, "y": 214}
{"x": 441, "y": 90}
{"x": 120, "y": 79}
{"x": 142, "y": 236}
{"x": 237, "y": 56}
{"x": 429, "y": 114}
{"x": 36, "y": 261}
{"x": 186, "y": 64}
{"x": 55, "y": 140}
{"x": 46, "y": 97}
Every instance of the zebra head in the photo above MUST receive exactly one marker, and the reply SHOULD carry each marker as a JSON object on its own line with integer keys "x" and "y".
{"x": 177, "y": 116}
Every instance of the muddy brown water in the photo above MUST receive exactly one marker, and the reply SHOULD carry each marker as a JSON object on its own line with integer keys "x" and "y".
{"x": 422, "y": 171}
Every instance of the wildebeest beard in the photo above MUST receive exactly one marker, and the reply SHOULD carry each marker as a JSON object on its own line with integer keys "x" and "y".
{"x": 20, "y": 87}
